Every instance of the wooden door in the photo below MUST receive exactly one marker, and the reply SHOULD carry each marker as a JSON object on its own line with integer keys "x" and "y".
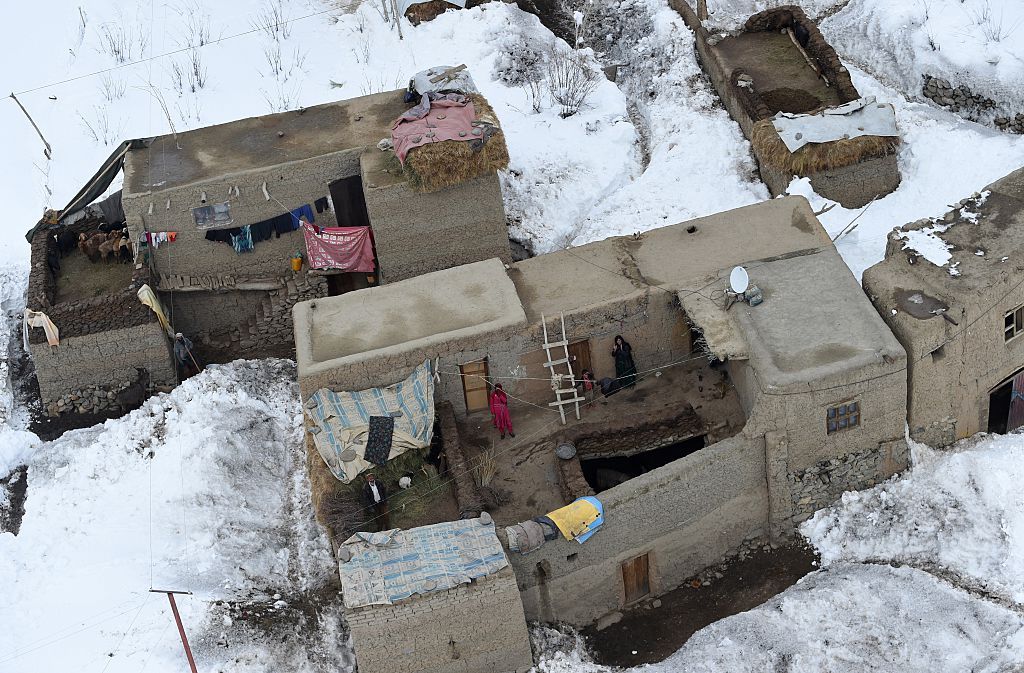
{"x": 474, "y": 385}
{"x": 579, "y": 355}
{"x": 636, "y": 578}
{"x": 1016, "y": 415}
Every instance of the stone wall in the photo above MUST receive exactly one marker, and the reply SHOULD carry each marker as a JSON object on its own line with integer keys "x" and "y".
{"x": 685, "y": 516}
{"x": 86, "y": 368}
{"x": 466, "y": 494}
{"x": 227, "y": 324}
{"x": 973, "y": 106}
{"x": 823, "y": 483}
{"x": 472, "y": 628}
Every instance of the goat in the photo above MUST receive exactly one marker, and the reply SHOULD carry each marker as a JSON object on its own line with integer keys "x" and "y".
{"x": 124, "y": 249}
{"x": 90, "y": 245}
{"x": 108, "y": 247}
{"x": 66, "y": 241}
{"x": 132, "y": 396}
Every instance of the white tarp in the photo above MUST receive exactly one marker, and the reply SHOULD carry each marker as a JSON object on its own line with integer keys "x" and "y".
{"x": 861, "y": 117}
{"x": 461, "y": 81}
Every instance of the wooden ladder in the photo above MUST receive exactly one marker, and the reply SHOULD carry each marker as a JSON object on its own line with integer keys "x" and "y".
{"x": 558, "y": 380}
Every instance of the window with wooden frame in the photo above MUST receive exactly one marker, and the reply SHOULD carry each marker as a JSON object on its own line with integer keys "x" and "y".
{"x": 843, "y": 417}
{"x": 1013, "y": 323}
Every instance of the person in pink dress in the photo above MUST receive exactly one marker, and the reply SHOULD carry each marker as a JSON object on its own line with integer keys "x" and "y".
{"x": 499, "y": 410}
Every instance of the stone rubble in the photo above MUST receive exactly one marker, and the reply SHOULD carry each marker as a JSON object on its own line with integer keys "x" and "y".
{"x": 973, "y": 106}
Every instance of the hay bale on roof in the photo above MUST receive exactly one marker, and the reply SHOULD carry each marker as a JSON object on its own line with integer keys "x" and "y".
{"x": 446, "y": 164}
{"x": 816, "y": 157}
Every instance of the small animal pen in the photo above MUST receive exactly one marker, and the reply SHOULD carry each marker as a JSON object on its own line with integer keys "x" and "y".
{"x": 779, "y": 66}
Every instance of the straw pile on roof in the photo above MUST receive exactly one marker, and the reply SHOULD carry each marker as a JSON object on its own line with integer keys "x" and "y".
{"x": 436, "y": 166}
{"x": 817, "y": 157}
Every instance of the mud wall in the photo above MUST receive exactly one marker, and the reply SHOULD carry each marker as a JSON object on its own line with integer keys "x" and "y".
{"x": 416, "y": 233}
{"x": 684, "y": 516}
{"x": 473, "y": 628}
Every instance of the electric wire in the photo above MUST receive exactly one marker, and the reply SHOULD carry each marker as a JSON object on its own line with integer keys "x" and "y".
{"x": 260, "y": 28}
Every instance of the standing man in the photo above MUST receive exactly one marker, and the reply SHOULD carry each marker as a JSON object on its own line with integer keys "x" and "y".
{"x": 376, "y": 498}
{"x": 183, "y": 356}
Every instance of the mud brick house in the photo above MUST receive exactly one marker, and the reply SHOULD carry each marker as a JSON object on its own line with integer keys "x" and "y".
{"x": 760, "y": 72}
{"x": 183, "y": 197}
{"x": 456, "y": 607}
{"x": 743, "y": 419}
{"x": 254, "y": 170}
{"x": 960, "y": 322}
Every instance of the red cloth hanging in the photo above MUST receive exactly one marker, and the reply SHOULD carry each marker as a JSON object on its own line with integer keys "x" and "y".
{"x": 343, "y": 248}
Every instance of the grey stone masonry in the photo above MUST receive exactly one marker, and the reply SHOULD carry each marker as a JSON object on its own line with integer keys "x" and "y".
{"x": 473, "y": 628}
{"x": 973, "y": 106}
{"x": 83, "y": 372}
{"x": 821, "y": 484}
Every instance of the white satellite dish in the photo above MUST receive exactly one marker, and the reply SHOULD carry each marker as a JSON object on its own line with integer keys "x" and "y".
{"x": 739, "y": 281}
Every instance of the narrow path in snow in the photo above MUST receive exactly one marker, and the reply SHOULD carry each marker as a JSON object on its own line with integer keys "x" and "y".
{"x": 954, "y": 579}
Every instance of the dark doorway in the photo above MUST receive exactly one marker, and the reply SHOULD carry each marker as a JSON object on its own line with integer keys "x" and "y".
{"x": 605, "y": 473}
{"x": 349, "y": 202}
{"x": 999, "y": 407}
{"x": 1006, "y": 405}
{"x": 340, "y": 283}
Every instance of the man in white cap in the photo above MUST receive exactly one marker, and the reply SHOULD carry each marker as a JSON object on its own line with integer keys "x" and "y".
{"x": 183, "y": 356}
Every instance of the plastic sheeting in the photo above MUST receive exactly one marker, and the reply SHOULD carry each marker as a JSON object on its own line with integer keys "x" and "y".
{"x": 862, "y": 117}
{"x": 396, "y": 564}
{"x": 461, "y": 82}
{"x": 346, "y": 248}
{"x": 341, "y": 421}
{"x": 579, "y": 519}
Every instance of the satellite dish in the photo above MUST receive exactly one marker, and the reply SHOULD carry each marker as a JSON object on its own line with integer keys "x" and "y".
{"x": 738, "y": 280}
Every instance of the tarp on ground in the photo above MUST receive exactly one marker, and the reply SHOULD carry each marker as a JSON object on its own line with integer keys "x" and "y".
{"x": 861, "y": 117}
{"x": 390, "y": 566}
{"x": 579, "y": 519}
{"x": 345, "y": 248}
{"x": 341, "y": 421}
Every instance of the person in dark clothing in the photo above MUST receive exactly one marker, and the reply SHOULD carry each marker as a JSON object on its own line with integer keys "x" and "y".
{"x": 375, "y": 496}
{"x": 186, "y": 362}
{"x": 625, "y": 367}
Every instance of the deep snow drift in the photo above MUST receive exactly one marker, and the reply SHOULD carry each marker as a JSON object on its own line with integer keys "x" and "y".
{"x": 204, "y": 490}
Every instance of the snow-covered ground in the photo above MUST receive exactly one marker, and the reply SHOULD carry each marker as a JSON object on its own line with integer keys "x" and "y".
{"x": 976, "y": 43}
{"x": 202, "y": 490}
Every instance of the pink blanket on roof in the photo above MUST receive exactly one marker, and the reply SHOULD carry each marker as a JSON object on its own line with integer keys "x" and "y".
{"x": 447, "y": 120}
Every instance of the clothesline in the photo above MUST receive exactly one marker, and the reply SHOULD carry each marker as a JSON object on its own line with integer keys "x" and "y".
{"x": 243, "y": 239}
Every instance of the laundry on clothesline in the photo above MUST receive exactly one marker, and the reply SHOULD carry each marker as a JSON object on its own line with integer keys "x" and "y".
{"x": 243, "y": 239}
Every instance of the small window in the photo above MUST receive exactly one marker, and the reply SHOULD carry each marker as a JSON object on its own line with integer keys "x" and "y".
{"x": 1013, "y": 323}
{"x": 842, "y": 417}
{"x": 939, "y": 353}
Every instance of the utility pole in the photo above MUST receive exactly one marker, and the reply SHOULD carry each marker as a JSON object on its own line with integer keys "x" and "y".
{"x": 49, "y": 150}
{"x": 177, "y": 619}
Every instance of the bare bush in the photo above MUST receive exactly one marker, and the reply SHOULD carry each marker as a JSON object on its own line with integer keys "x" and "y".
{"x": 197, "y": 22}
{"x": 100, "y": 127}
{"x": 570, "y": 79}
{"x": 112, "y": 88}
{"x": 197, "y": 71}
{"x": 177, "y": 78}
{"x": 534, "y": 93}
{"x": 272, "y": 20}
{"x": 121, "y": 42}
